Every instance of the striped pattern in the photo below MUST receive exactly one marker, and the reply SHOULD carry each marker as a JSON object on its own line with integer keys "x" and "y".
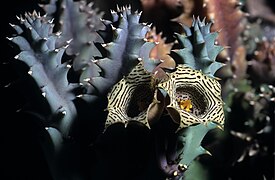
{"x": 203, "y": 91}
{"x": 130, "y": 97}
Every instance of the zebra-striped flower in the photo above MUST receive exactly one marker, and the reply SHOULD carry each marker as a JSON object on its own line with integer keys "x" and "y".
{"x": 194, "y": 97}
{"x": 187, "y": 91}
{"x": 130, "y": 98}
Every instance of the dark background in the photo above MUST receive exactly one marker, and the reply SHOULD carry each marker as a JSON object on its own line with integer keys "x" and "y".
{"x": 21, "y": 155}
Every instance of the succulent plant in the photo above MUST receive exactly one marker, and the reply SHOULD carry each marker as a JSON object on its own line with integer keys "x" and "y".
{"x": 47, "y": 52}
{"x": 39, "y": 53}
{"x": 186, "y": 90}
{"x": 143, "y": 78}
{"x": 136, "y": 94}
{"x": 242, "y": 80}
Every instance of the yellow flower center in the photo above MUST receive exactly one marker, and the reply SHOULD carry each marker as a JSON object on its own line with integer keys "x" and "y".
{"x": 185, "y": 105}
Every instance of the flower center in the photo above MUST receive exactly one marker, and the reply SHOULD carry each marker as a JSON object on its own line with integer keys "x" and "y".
{"x": 185, "y": 105}
{"x": 191, "y": 99}
{"x": 140, "y": 100}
